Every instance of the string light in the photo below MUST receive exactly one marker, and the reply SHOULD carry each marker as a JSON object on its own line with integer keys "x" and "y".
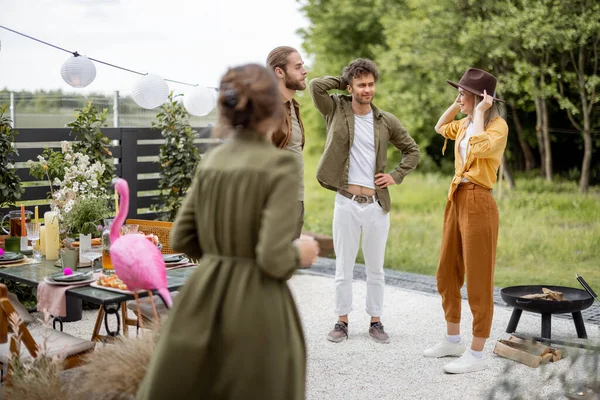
{"x": 93, "y": 59}
{"x": 147, "y": 92}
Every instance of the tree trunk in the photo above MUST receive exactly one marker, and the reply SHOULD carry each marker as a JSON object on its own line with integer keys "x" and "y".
{"x": 547, "y": 145}
{"x": 527, "y": 154}
{"x": 545, "y": 128}
{"x": 507, "y": 174}
{"x": 584, "y": 181}
{"x": 538, "y": 134}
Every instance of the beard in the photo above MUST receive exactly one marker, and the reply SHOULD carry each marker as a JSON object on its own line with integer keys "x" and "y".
{"x": 294, "y": 84}
{"x": 363, "y": 100}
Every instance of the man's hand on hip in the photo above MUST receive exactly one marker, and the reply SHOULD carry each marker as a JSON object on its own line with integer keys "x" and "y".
{"x": 384, "y": 180}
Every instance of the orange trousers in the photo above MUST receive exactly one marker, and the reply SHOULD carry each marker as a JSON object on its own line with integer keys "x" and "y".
{"x": 469, "y": 239}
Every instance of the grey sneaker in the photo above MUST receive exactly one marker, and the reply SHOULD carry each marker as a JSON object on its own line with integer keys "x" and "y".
{"x": 339, "y": 332}
{"x": 378, "y": 334}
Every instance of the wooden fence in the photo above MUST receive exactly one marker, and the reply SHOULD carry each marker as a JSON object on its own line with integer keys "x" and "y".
{"x": 135, "y": 151}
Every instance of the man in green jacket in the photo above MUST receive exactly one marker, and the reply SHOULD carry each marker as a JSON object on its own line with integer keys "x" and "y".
{"x": 288, "y": 66}
{"x": 353, "y": 164}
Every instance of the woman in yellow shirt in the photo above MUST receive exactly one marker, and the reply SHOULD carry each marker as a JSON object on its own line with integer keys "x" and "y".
{"x": 470, "y": 230}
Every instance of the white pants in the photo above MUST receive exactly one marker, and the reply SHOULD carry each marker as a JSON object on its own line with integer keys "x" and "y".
{"x": 350, "y": 218}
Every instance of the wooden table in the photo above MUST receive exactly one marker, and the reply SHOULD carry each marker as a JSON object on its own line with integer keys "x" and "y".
{"x": 111, "y": 303}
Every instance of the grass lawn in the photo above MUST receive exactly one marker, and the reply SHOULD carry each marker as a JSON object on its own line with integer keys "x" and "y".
{"x": 547, "y": 232}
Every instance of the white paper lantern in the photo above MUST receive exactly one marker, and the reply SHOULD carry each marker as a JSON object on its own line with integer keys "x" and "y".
{"x": 78, "y": 71}
{"x": 200, "y": 101}
{"x": 150, "y": 91}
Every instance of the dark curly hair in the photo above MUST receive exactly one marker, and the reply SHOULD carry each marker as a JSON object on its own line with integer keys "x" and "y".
{"x": 359, "y": 68}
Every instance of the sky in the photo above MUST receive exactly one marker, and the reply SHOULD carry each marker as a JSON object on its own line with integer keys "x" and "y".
{"x": 193, "y": 41}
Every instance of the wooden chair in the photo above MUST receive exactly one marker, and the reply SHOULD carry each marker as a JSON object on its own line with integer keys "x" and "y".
{"x": 26, "y": 317}
{"x": 71, "y": 347}
{"x": 162, "y": 229}
{"x": 150, "y": 313}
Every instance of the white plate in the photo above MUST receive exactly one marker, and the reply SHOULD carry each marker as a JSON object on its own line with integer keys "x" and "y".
{"x": 78, "y": 283}
{"x": 112, "y": 289}
{"x": 15, "y": 262}
{"x": 182, "y": 261}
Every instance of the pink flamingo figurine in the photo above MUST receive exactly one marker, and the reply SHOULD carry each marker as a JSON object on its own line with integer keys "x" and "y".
{"x": 137, "y": 261}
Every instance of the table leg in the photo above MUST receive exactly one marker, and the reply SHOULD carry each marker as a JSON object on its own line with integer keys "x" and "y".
{"x": 579, "y": 326}
{"x": 546, "y": 325}
{"x": 96, "y": 334}
{"x": 514, "y": 320}
{"x": 125, "y": 319}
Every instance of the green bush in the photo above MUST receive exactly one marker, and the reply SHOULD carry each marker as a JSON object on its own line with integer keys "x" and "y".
{"x": 10, "y": 183}
{"x": 178, "y": 157}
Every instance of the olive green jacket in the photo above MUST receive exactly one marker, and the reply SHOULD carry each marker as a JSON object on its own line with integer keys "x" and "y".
{"x": 332, "y": 172}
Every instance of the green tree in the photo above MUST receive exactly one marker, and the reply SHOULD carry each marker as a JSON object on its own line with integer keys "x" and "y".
{"x": 577, "y": 73}
{"x": 340, "y": 31}
{"x": 178, "y": 156}
{"x": 10, "y": 183}
{"x": 91, "y": 141}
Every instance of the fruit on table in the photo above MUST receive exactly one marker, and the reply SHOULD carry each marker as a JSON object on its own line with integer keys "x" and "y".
{"x": 112, "y": 281}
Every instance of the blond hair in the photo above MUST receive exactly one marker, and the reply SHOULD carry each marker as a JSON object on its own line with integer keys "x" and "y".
{"x": 490, "y": 114}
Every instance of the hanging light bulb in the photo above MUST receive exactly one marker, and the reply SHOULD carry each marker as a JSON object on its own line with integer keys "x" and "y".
{"x": 78, "y": 71}
{"x": 200, "y": 101}
{"x": 150, "y": 91}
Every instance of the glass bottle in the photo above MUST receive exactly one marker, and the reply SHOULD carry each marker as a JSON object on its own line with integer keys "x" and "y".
{"x": 107, "y": 266}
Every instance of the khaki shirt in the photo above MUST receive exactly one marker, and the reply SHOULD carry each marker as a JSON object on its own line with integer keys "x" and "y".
{"x": 484, "y": 153}
{"x": 332, "y": 172}
{"x": 282, "y": 136}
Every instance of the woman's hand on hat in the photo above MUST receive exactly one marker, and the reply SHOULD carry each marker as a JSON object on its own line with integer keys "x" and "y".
{"x": 485, "y": 103}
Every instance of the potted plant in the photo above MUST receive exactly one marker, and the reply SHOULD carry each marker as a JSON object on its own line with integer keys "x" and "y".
{"x": 85, "y": 216}
{"x": 75, "y": 177}
{"x": 82, "y": 222}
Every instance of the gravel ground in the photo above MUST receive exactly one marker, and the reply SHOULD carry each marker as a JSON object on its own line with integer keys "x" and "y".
{"x": 362, "y": 369}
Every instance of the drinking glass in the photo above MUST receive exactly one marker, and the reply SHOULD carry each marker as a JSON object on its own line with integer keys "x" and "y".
{"x": 33, "y": 234}
{"x": 92, "y": 253}
{"x": 130, "y": 228}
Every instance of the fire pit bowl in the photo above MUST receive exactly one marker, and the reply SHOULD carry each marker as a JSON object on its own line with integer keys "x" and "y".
{"x": 576, "y": 301}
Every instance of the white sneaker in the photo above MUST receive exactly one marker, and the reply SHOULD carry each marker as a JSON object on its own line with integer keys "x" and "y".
{"x": 445, "y": 349}
{"x": 465, "y": 363}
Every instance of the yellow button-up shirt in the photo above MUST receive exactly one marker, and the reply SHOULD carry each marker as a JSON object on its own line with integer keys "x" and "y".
{"x": 484, "y": 153}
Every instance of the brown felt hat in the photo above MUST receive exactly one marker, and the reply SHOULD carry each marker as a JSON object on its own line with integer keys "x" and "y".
{"x": 476, "y": 81}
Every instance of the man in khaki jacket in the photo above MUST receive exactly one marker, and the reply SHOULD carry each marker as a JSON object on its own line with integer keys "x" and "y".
{"x": 289, "y": 69}
{"x": 354, "y": 165}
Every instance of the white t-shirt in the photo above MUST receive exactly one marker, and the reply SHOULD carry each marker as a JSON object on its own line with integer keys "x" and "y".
{"x": 463, "y": 146}
{"x": 362, "y": 154}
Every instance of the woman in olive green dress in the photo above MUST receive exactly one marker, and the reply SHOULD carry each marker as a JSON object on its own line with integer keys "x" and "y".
{"x": 234, "y": 332}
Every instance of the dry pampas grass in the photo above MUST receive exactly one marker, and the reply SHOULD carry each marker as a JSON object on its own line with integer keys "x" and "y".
{"x": 111, "y": 372}
{"x": 115, "y": 371}
{"x": 36, "y": 379}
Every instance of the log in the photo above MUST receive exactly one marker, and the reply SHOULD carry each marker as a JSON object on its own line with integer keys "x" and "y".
{"x": 528, "y": 352}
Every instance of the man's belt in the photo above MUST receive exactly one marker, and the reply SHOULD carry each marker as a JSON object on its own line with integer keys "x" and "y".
{"x": 359, "y": 198}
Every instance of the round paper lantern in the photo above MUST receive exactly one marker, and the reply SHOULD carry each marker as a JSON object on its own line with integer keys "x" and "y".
{"x": 200, "y": 101}
{"x": 150, "y": 91}
{"x": 78, "y": 71}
